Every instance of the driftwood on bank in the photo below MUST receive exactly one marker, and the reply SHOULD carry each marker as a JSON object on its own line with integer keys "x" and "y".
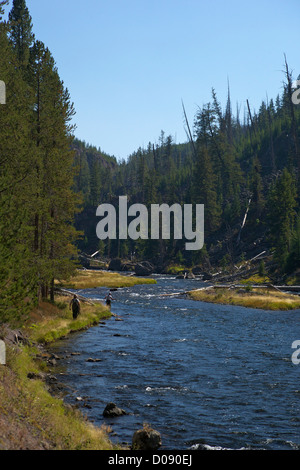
{"x": 173, "y": 294}
{"x": 290, "y": 289}
{"x": 256, "y": 286}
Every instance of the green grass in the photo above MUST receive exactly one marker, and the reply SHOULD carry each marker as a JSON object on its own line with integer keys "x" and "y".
{"x": 256, "y": 279}
{"x": 31, "y": 418}
{"x": 49, "y": 322}
{"x": 89, "y": 278}
{"x": 175, "y": 269}
{"x": 265, "y": 299}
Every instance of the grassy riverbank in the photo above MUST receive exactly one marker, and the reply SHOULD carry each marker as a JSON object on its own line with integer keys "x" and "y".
{"x": 91, "y": 278}
{"x": 261, "y": 298}
{"x": 50, "y": 322}
{"x": 30, "y": 416}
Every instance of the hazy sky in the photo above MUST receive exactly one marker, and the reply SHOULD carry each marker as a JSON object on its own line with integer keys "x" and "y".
{"x": 129, "y": 63}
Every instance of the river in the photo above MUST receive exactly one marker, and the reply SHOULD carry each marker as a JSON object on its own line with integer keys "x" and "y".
{"x": 204, "y": 375}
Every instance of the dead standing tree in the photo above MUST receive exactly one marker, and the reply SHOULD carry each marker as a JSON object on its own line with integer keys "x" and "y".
{"x": 188, "y": 131}
{"x": 252, "y": 130}
{"x": 289, "y": 90}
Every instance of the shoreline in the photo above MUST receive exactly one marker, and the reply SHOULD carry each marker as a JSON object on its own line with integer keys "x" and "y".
{"x": 89, "y": 279}
{"x": 32, "y": 414}
{"x": 31, "y": 405}
{"x": 249, "y": 296}
{"x": 30, "y": 400}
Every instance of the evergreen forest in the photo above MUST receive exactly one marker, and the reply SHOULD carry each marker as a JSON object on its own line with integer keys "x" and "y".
{"x": 243, "y": 166}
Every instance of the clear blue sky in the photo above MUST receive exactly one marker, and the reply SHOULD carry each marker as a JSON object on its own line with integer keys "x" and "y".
{"x": 129, "y": 63}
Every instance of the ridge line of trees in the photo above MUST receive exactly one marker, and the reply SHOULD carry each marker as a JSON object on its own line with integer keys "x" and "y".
{"x": 242, "y": 171}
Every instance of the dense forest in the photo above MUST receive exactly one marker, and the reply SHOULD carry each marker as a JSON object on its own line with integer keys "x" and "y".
{"x": 38, "y": 203}
{"x": 244, "y": 169}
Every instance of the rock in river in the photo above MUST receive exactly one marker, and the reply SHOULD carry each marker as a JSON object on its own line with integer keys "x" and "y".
{"x": 146, "y": 439}
{"x": 112, "y": 410}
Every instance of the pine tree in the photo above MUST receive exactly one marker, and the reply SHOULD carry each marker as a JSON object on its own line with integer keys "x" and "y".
{"x": 37, "y": 204}
{"x": 256, "y": 189}
{"x": 17, "y": 281}
{"x": 292, "y": 113}
{"x": 82, "y": 175}
{"x": 293, "y": 261}
{"x": 95, "y": 182}
{"x": 281, "y": 215}
{"x": 21, "y": 31}
{"x": 204, "y": 190}
{"x": 53, "y": 164}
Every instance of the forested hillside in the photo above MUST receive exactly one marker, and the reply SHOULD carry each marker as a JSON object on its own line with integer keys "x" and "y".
{"x": 243, "y": 169}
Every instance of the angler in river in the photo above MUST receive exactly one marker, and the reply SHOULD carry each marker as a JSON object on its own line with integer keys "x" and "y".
{"x": 108, "y": 299}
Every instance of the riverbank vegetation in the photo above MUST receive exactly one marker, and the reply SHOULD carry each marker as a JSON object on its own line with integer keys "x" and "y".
{"x": 31, "y": 416}
{"x": 32, "y": 419}
{"x": 248, "y": 296}
{"x": 51, "y": 321}
{"x": 91, "y": 278}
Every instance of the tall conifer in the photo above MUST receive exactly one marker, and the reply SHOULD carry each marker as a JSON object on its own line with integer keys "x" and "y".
{"x": 54, "y": 172}
{"x": 21, "y": 30}
{"x": 17, "y": 280}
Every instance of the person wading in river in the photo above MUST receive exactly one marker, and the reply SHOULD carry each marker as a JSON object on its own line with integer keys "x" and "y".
{"x": 108, "y": 299}
{"x": 75, "y": 304}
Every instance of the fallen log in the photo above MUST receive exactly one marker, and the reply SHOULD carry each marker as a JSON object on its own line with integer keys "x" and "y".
{"x": 173, "y": 293}
{"x": 289, "y": 288}
{"x": 257, "y": 256}
{"x": 68, "y": 293}
{"x": 185, "y": 292}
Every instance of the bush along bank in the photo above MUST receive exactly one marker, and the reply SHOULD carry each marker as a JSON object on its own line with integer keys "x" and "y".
{"x": 31, "y": 417}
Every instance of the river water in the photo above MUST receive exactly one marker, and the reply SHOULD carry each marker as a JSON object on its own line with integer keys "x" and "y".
{"x": 203, "y": 375}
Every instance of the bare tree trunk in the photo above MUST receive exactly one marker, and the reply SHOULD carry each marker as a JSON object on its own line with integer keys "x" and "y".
{"x": 292, "y": 112}
{"x": 243, "y": 223}
{"x": 52, "y": 290}
{"x": 189, "y": 131}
